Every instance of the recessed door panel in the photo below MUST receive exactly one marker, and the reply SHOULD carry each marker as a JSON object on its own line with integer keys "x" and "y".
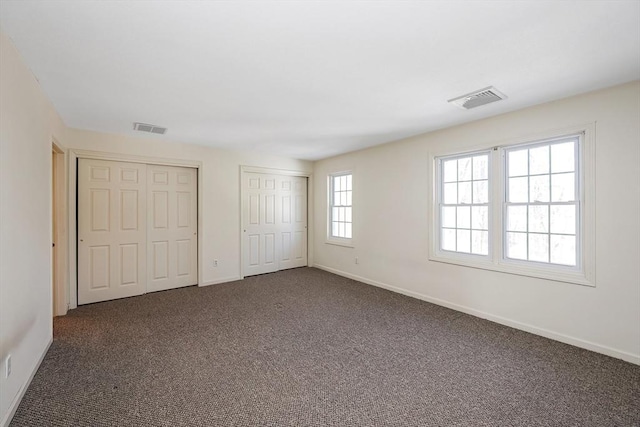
{"x": 184, "y": 257}
{"x": 129, "y": 209}
{"x": 100, "y": 267}
{"x": 129, "y": 264}
{"x": 160, "y": 260}
{"x": 100, "y": 209}
{"x": 160, "y": 209}
{"x": 184, "y": 209}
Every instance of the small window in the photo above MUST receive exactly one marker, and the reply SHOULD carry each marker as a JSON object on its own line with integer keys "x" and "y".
{"x": 464, "y": 204}
{"x": 340, "y": 206}
{"x": 542, "y": 201}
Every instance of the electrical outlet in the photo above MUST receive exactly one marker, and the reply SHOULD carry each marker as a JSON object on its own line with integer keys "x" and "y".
{"x": 7, "y": 366}
{"x": 215, "y": 262}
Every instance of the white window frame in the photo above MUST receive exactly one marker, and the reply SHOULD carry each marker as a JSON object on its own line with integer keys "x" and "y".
{"x": 330, "y": 239}
{"x": 584, "y": 272}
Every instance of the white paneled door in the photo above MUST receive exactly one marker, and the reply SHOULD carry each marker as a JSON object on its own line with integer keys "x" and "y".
{"x": 137, "y": 229}
{"x": 172, "y": 227}
{"x": 112, "y": 242}
{"x": 274, "y": 222}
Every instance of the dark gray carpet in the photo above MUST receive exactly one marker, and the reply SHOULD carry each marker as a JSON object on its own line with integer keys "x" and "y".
{"x": 307, "y": 348}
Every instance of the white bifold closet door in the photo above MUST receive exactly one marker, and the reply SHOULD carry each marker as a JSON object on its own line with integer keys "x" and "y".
{"x": 274, "y": 222}
{"x": 137, "y": 229}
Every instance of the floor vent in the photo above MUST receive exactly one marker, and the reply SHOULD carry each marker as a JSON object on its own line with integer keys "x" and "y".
{"x": 480, "y": 97}
{"x": 143, "y": 127}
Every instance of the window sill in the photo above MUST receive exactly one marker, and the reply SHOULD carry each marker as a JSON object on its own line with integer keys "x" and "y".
{"x": 573, "y": 277}
{"x": 346, "y": 244}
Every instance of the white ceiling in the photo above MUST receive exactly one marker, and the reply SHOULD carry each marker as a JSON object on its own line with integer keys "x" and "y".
{"x": 313, "y": 79}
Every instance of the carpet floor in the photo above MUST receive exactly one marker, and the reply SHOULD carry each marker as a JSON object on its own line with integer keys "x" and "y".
{"x": 307, "y": 348}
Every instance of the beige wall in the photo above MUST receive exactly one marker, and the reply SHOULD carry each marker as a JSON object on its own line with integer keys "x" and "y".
{"x": 28, "y": 123}
{"x": 391, "y": 231}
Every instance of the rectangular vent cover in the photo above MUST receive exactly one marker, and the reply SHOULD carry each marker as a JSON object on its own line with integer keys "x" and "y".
{"x": 143, "y": 127}
{"x": 480, "y": 97}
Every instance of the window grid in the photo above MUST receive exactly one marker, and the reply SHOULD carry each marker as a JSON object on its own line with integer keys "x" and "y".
{"x": 341, "y": 218}
{"x": 542, "y": 205}
{"x": 464, "y": 215}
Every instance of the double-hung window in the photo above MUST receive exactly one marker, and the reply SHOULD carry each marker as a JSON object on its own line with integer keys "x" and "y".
{"x": 518, "y": 208}
{"x": 340, "y": 207}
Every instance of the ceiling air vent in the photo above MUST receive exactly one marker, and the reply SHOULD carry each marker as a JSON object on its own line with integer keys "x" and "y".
{"x": 480, "y": 97}
{"x": 143, "y": 127}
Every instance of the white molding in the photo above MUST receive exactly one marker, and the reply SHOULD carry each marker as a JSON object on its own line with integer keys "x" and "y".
{"x": 13, "y": 407}
{"x": 220, "y": 281}
{"x": 131, "y": 158}
{"x": 556, "y": 336}
{"x": 273, "y": 171}
{"x": 74, "y": 155}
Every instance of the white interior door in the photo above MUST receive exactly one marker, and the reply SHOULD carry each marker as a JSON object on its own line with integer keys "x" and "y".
{"x": 172, "y": 227}
{"x": 111, "y": 230}
{"x": 274, "y": 222}
{"x": 292, "y": 197}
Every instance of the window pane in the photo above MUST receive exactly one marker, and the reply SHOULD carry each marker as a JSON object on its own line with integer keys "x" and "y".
{"x": 480, "y": 242}
{"x": 335, "y": 229}
{"x": 480, "y": 192}
{"x": 480, "y": 217}
{"x": 539, "y": 188}
{"x": 448, "y": 216}
{"x": 347, "y": 231}
{"x": 518, "y": 163}
{"x": 539, "y": 247}
{"x": 337, "y": 183}
{"x": 563, "y": 187}
{"x": 448, "y": 239}
{"x": 334, "y": 214}
{"x": 349, "y": 183}
{"x": 464, "y": 169}
{"x": 451, "y": 194}
{"x": 517, "y": 245}
{"x": 562, "y": 157}
{"x": 539, "y": 219}
{"x": 518, "y": 190}
{"x": 348, "y": 214}
{"x": 517, "y": 218}
{"x": 341, "y": 229}
{"x": 464, "y": 241}
{"x": 481, "y": 167}
{"x": 539, "y": 160}
{"x": 343, "y": 184}
{"x": 464, "y": 193}
{"x": 563, "y": 219}
{"x": 464, "y": 217}
{"x": 563, "y": 250}
{"x": 341, "y": 214}
{"x": 450, "y": 171}
{"x": 349, "y": 198}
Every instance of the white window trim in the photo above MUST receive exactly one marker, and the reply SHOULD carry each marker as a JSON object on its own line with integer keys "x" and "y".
{"x": 331, "y": 240}
{"x": 584, "y": 274}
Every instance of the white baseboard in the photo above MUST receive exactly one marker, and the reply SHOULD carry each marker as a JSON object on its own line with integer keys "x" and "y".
{"x": 6, "y": 420}
{"x": 218, "y": 281}
{"x": 588, "y": 345}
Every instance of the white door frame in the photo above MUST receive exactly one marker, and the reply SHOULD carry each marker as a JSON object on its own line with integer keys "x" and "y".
{"x": 74, "y": 155}
{"x": 285, "y": 172}
{"x": 59, "y": 215}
